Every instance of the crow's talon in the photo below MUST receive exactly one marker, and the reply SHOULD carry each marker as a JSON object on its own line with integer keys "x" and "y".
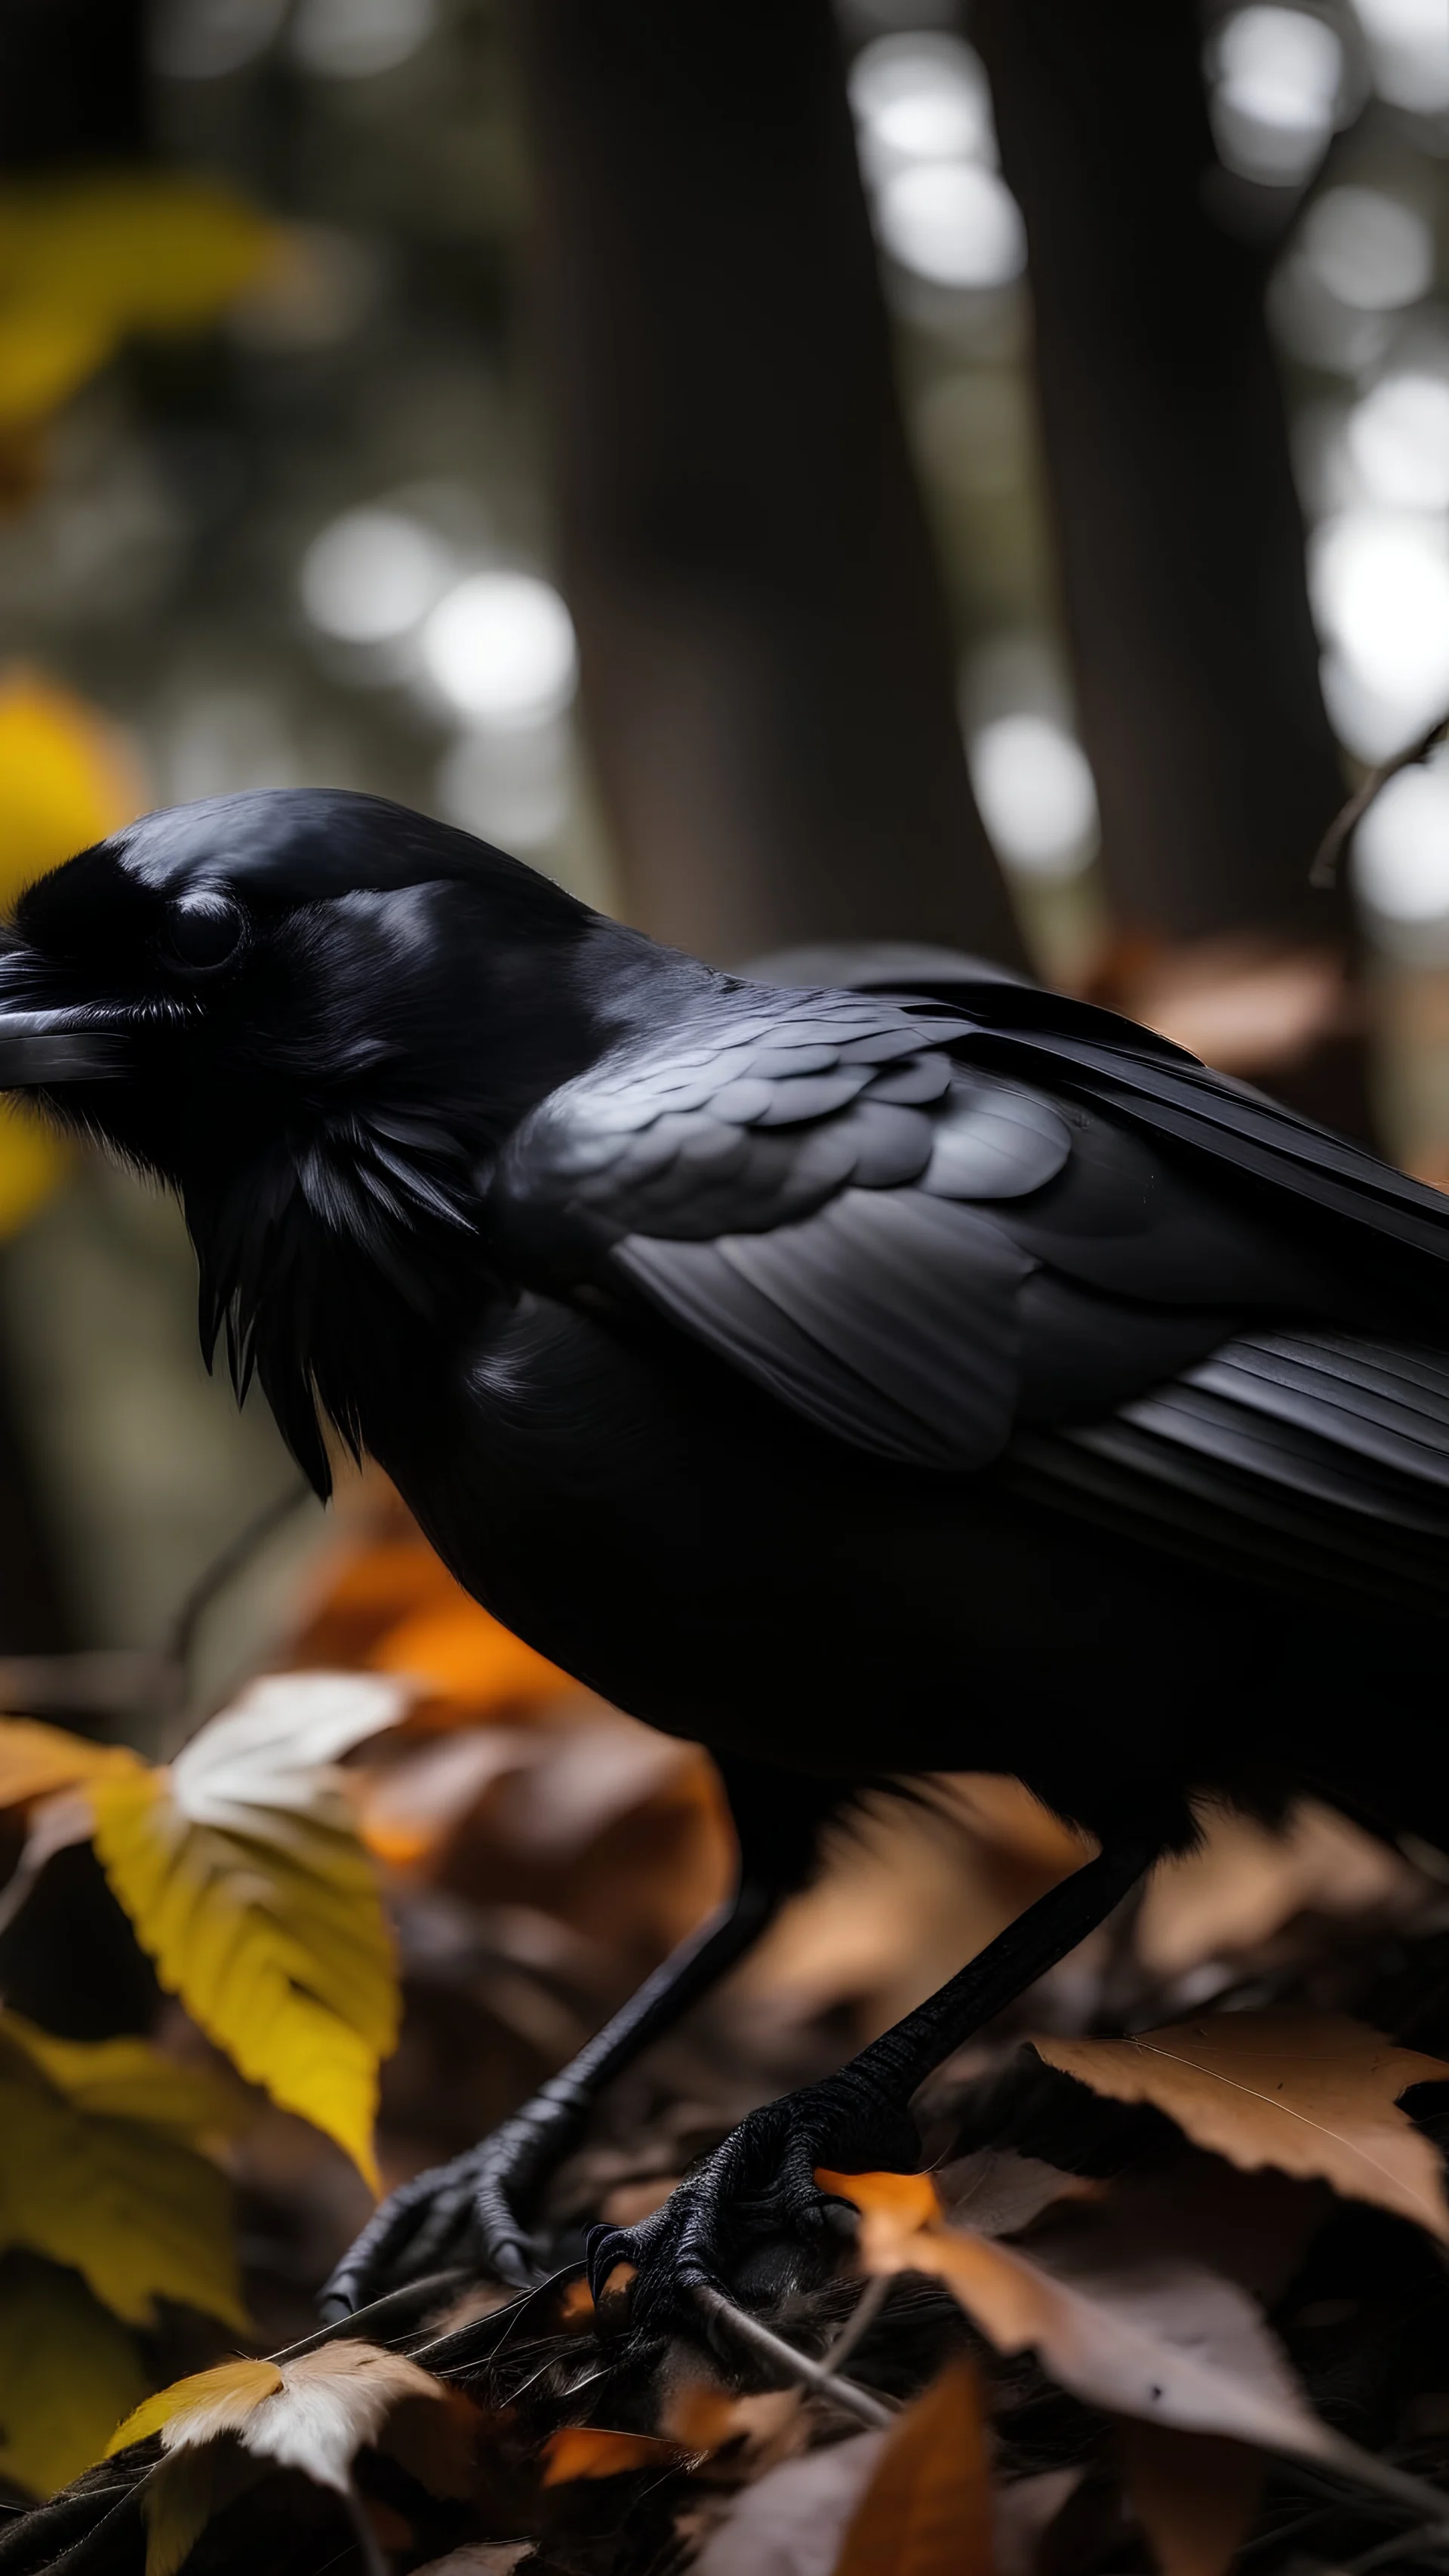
{"x": 750, "y": 2221}
{"x": 459, "y": 2212}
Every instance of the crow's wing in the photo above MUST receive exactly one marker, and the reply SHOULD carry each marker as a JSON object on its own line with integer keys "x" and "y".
{"x": 924, "y": 1225}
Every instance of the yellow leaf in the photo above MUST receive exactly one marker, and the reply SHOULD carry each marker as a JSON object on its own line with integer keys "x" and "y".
{"x": 85, "y": 261}
{"x": 312, "y": 2414}
{"x": 243, "y": 1875}
{"x": 126, "y": 2201}
{"x": 32, "y": 1161}
{"x": 1314, "y": 2094}
{"x": 218, "y": 2400}
{"x": 66, "y": 777}
{"x": 45, "y": 354}
{"x": 182, "y": 2493}
{"x": 178, "y": 2501}
{"x": 128, "y": 2079}
{"x": 36, "y": 1760}
{"x": 927, "y": 2509}
{"x": 67, "y": 2370}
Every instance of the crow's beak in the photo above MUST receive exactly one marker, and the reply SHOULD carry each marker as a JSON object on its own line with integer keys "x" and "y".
{"x": 38, "y": 1048}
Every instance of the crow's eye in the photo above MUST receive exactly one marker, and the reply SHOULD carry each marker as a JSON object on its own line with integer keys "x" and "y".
{"x": 203, "y": 931}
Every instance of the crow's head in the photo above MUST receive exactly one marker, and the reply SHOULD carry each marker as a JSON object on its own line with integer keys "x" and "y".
{"x": 315, "y": 1015}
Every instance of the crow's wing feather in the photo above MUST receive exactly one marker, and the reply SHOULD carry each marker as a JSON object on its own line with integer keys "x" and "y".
{"x": 998, "y": 1226}
{"x": 1095, "y": 1056}
{"x": 801, "y": 1181}
{"x": 910, "y": 1249}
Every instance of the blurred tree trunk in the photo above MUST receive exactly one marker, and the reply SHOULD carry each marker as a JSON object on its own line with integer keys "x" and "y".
{"x": 72, "y": 82}
{"x": 768, "y": 674}
{"x": 34, "y": 1613}
{"x": 1180, "y": 540}
{"x": 71, "y": 90}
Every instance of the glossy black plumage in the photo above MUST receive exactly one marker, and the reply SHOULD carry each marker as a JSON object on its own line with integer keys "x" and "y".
{"x": 860, "y": 1381}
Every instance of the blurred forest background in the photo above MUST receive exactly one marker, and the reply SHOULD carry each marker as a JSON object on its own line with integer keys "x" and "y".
{"x": 975, "y": 476}
{"x": 959, "y": 474}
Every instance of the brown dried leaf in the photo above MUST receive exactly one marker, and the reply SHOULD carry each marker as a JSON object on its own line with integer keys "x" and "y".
{"x": 1244, "y": 1882}
{"x": 1025, "y": 2512}
{"x": 993, "y": 2191}
{"x": 1315, "y": 2095}
{"x": 1119, "y": 2312}
{"x": 999, "y": 2192}
{"x": 927, "y": 2509}
{"x": 1194, "y": 2494}
{"x": 1167, "y": 2340}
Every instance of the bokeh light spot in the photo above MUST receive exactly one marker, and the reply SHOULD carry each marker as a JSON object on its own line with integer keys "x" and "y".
{"x": 372, "y": 575}
{"x": 1401, "y": 851}
{"x": 1398, "y": 442}
{"x": 1370, "y": 250}
{"x": 952, "y": 223}
{"x": 357, "y": 39}
{"x": 1277, "y": 76}
{"x": 1036, "y": 794}
{"x": 206, "y": 39}
{"x": 501, "y": 648}
{"x": 921, "y": 98}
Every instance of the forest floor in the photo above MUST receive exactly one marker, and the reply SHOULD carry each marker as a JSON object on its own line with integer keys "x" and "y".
{"x": 1171, "y": 2293}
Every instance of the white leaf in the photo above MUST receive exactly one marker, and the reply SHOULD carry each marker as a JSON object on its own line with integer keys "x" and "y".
{"x": 791, "y": 2522}
{"x": 274, "y": 1750}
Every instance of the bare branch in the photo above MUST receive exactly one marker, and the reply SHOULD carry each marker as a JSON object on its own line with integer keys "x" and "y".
{"x": 1324, "y": 872}
{"x": 797, "y": 2365}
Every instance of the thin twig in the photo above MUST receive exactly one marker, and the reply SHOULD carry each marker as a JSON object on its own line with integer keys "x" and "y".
{"x": 1431, "y": 2535}
{"x": 1324, "y": 871}
{"x": 103, "y": 1680}
{"x": 386, "y": 2315}
{"x": 859, "y": 2322}
{"x": 797, "y": 2365}
{"x": 107, "y": 1681}
{"x": 229, "y": 1562}
{"x": 368, "y": 2550}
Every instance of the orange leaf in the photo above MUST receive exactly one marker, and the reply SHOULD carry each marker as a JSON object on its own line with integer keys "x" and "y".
{"x": 458, "y": 1653}
{"x": 1316, "y": 2095}
{"x": 589, "y": 2451}
{"x": 368, "y": 1592}
{"x": 892, "y": 2207}
{"x": 927, "y": 2509}
{"x": 699, "y": 2417}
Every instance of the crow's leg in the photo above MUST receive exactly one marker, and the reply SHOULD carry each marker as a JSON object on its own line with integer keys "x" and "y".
{"x": 472, "y": 2207}
{"x": 758, "y": 2189}
{"x": 475, "y": 2209}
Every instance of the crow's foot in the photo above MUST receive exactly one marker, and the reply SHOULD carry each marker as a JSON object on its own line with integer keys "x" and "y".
{"x": 463, "y": 2212}
{"x": 751, "y": 2220}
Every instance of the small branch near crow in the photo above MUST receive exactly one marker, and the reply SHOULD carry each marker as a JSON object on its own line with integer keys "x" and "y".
{"x": 1323, "y": 875}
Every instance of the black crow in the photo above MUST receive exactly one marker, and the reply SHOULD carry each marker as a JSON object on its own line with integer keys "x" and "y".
{"x": 862, "y": 1383}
